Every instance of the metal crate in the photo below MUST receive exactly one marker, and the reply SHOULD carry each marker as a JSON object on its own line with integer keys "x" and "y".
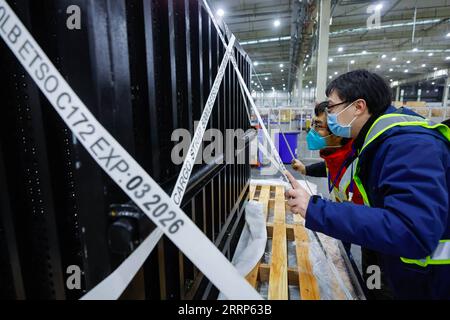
{"x": 143, "y": 68}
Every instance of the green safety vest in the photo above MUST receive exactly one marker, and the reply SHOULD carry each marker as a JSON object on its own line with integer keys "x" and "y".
{"x": 340, "y": 193}
{"x": 441, "y": 254}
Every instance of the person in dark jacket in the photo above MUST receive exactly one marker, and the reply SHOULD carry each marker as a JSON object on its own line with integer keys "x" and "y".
{"x": 403, "y": 174}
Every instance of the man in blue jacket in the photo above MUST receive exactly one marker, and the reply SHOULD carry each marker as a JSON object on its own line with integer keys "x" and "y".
{"x": 403, "y": 174}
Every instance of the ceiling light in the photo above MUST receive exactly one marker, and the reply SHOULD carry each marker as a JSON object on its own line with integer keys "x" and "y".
{"x": 390, "y": 70}
{"x": 307, "y": 87}
{"x": 266, "y": 78}
{"x": 448, "y": 35}
{"x": 307, "y": 55}
{"x": 378, "y": 66}
{"x": 364, "y": 52}
{"x": 340, "y": 49}
{"x": 220, "y": 12}
{"x": 282, "y": 70}
{"x": 391, "y": 80}
{"x": 277, "y": 23}
{"x": 255, "y": 63}
{"x": 408, "y": 61}
{"x": 336, "y": 73}
{"x": 383, "y": 56}
{"x": 330, "y": 60}
{"x": 415, "y": 50}
{"x": 435, "y": 68}
{"x": 406, "y": 70}
{"x": 447, "y": 58}
{"x": 330, "y": 77}
{"x": 379, "y": 6}
{"x": 430, "y": 54}
{"x": 433, "y": 83}
{"x": 352, "y": 61}
{"x": 281, "y": 65}
{"x": 424, "y": 65}
{"x": 310, "y": 82}
{"x": 394, "y": 59}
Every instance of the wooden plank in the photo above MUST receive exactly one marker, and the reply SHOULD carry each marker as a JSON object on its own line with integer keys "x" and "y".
{"x": 309, "y": 289}
{"x": 278, "y": 278}
{"x": 251, "y": 193}
{"x": 289, "y": 231}
{"x": 264, "y": 271}
{"x": 252, "y": 277}
{"x": 264, "y": 199}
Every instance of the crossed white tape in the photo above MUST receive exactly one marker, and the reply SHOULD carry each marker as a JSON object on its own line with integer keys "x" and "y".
{"x": 119, "y": 165}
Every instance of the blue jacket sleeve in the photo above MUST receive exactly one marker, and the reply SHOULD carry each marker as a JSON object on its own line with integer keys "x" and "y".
{"x": 411, "y": 192}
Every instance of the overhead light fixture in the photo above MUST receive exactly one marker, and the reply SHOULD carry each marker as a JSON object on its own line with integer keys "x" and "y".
{"x": 281, "y": 65}
{"x": 330, "y": 60}
{"x": 266, "y": 78}
{"x": 406, "y": 70}
{"x": 447, "y": 58}
{"x": 307, "y": 87}
{"x": 255, "y": 63}
{"x": 391, "y": 80}
{"x": 220, "y": 12}
{"x": 352, "y": 61}
{"x": 310, "y": 82}
{"x": 435, "y": 68}
{"x": 330, "y": 77}
{"x": 394, "y": 59}
{"x": 383, "y": 56}
{"x": 430, "y": 54}
{"x": 433, "y": 83}
{"x": 448, "y": 35}
{"x": 390, "y": 70}
{"x": 276, "y": 23}
{"x": 424, "y": 65}
{"x": 379, "y": 6}
{"x": 307, "y": 55}
{"x": 415, "y": 50}
{"x": 282, "y": 70}
{"x": 408, "y": 62}
{"x": 335, "y": 73}
{"x": 340, "y": 49}
{"x": 364, "y": 52}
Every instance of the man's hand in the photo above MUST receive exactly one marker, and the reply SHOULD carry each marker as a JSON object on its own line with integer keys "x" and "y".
{"x": 297, "y": 165}
{"x": 298, "y": 198}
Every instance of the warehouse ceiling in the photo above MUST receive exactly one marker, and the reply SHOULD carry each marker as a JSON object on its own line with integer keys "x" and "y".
{"x": 280, "y": 37}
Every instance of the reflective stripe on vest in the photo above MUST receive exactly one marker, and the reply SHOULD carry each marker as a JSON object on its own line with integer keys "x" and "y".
{"x": 340, "y": 193}
{"x": 441, "y": 255}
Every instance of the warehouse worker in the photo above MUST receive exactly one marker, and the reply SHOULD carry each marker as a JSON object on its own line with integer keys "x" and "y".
{"x": 339, "y": 158}
{"x": 403, "y": 174}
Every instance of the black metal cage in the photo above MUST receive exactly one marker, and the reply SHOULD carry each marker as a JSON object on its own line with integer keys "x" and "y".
{"x": 144, "y": 68}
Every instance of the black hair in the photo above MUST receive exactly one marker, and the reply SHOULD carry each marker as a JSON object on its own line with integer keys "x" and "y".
{"x": 320, "y": 108}
{"x": 446, "y": 122}
{"x": 363, "y": 84}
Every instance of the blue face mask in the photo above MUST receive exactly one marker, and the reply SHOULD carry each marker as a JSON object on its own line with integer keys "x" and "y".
{"x": 315, "y": 141}
{"x": 338, "y": 129}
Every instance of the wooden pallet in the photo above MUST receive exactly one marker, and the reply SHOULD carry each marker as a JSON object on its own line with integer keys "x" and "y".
{"x": 277, "y": 273}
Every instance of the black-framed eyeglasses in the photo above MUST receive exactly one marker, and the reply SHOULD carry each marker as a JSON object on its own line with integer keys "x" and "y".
{"x": 335, "y": 105}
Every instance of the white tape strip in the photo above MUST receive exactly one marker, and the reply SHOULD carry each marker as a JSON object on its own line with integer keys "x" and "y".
{"x": 118, "y": 164}
{"x": 130, "y": 266}
{"x": 276, "y": 155}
